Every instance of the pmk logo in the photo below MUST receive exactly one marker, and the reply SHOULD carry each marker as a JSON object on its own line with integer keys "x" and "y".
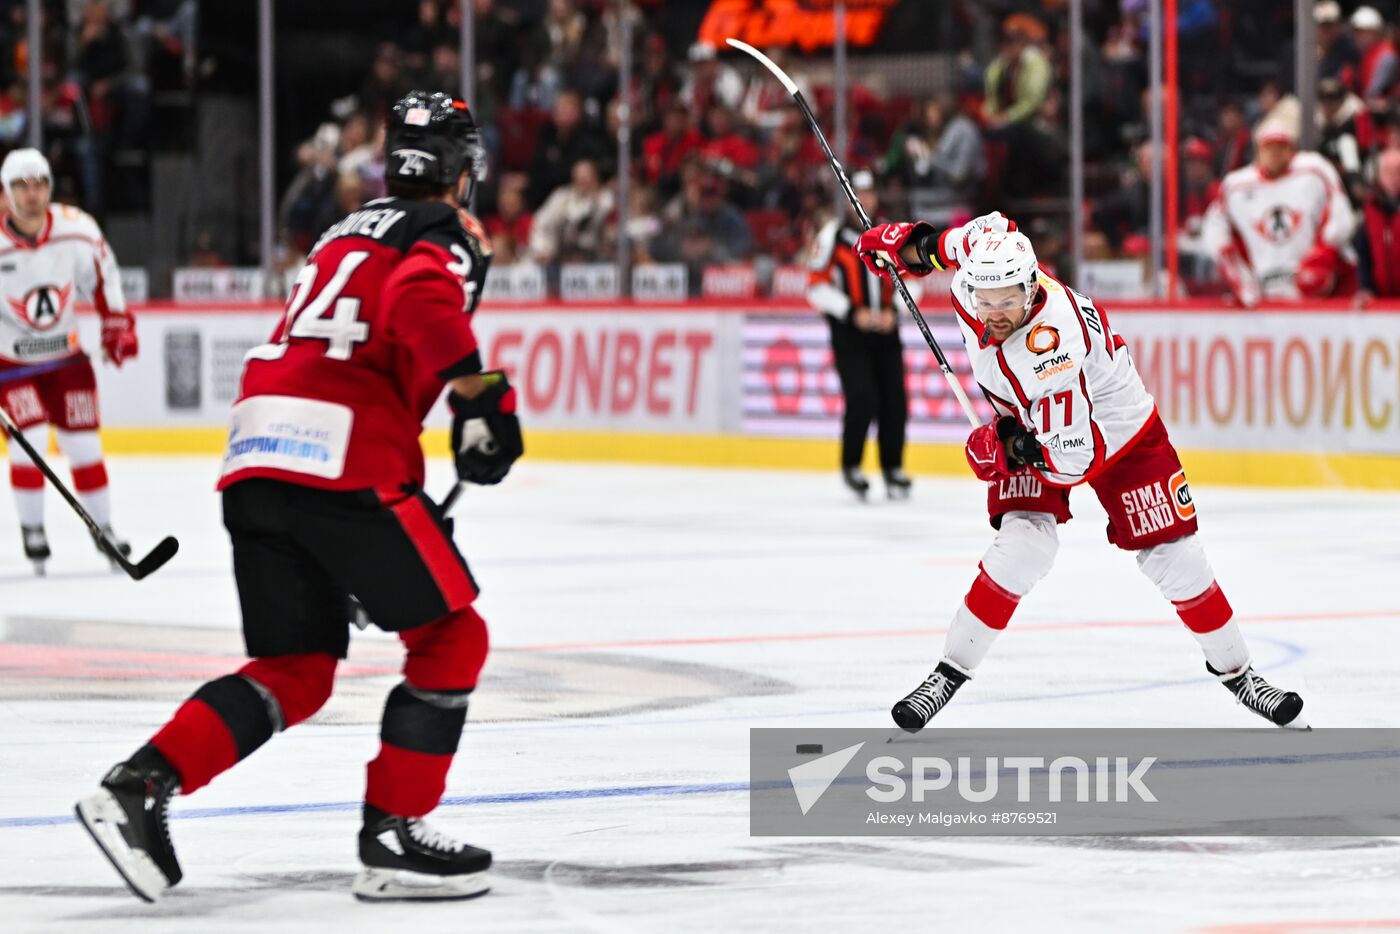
{"x": 1181, "y": 495}
{"x": 1042, "y": 339}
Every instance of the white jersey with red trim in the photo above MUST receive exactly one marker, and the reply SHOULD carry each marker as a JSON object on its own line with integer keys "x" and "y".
{"x": 1278, "y": 221}
{"x": 1064, "y": 375}
{"x": 41, "y": 282}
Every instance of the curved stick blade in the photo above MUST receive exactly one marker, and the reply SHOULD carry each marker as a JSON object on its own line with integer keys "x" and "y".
{"x": 766, "y": 62}
{"x": 154, "y": 561}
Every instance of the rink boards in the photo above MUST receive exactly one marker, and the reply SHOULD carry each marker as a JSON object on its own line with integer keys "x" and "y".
{"x": 1279, "y": 397}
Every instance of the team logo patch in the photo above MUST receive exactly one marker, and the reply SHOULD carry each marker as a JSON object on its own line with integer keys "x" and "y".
{"x": 1280, "y": 224}
{"x": 418, "y": 116}
{"x": 42, "y": 308}
{"x": 1042, "y": 339}
{"x": 1181, "y": 495}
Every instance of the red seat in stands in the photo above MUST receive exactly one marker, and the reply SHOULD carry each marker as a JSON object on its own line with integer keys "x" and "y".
{"x": 520, "y": 129}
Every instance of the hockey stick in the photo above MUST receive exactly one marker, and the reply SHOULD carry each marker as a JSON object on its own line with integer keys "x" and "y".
{"x": 160, "y": 554}
{"x": 865, "y": 221}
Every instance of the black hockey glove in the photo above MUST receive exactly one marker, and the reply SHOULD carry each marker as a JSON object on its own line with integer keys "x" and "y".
{"x": 1022, "y": 450}
{"x": 485, "y": 432}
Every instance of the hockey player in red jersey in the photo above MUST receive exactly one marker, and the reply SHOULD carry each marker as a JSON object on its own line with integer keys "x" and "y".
{"x": 322, "y": 497}
{"x": 1071, "y": 409}
{"x": 51, "y": 255}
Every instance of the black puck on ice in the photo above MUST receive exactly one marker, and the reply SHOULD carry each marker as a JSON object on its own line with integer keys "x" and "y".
{"x": 808, "y": 748}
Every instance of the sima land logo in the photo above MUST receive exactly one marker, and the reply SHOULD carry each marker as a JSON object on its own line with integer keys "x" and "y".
{"x": 890, "y": 779}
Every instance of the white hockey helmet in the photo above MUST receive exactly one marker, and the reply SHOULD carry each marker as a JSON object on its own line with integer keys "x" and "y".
{"x": 999, "y": 260}
{"x": 24, "y": 163}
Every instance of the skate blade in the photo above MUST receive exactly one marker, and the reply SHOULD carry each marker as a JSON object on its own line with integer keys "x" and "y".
{"x": 402, "y": 885}
{"x": 102, "y": 817}
{"x": 39, "y": 570}
{"x": 1297, "y": 723}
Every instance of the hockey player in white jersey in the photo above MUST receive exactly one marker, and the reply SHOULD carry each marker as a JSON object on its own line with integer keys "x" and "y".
{"x": 1071, "y": 409}
{"x": 1281, "y": 228}
{"x": 51, "y": 255}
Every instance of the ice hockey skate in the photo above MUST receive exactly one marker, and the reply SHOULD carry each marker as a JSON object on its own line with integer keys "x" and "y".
{"x": 123, "y": 547}
{"x": 855, "y": 481}
{"x": 406, "y": 859}
{"x": 36, "y": 547}
{"x": 914, "y": 712}
{"x": 127, "y": 821}
{"x": 1279, "y": 707}
{"x": 897, "y": 483}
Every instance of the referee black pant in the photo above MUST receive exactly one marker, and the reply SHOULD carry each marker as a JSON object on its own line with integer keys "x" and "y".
{"x": 871, "y": 367}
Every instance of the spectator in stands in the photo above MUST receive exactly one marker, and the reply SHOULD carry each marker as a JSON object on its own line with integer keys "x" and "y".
{"x": 1337, "y": 55}
{"x": 658, "y": 84}
{"x": 1234, "y": 146}
{"x": 1124, "y": 71}
{"x": 536, "y": 83}
{"x": 564, "y": 141}
{"x": 444, "y": 70}
{"x": 710, "y": 81}
{"x": 308, "y": 206}
{"x": 1016, "y": 84}
{"x": 564, "y": 26}
{"x": 509, "y": 225}
{"x": 1378, "y": 235}
{"x": 427, "y": 32}
{"x": 940, "y": 154}
{"x": 1343, "y": 122}
{"x": 730, "y": 153}
{"x": 1125, "y": 213}
{"x": 1377, "y": 73}
{"x": 384, "y": 85}
{"x": 664, "y": 151}
{"x": 1198, "y": 183}
{"x": 569, "y": 227}
{"x": 1018, "y": 79}
{"x": 701, "y": 226}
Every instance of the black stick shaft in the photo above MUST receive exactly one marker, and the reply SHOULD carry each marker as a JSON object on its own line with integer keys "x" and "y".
{"x": 898, "y": 281}
{"x": 17, "y": 437}
{"x": 158, "y": 555}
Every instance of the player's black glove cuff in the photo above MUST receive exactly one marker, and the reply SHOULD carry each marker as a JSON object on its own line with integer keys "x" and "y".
{"x": 486, "y": 438}
{"x": 925, "y": 239}
{"x": 1022, "y": 449}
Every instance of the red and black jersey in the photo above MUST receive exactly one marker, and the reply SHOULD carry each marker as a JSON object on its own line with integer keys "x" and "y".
{"x": 377, "y": 322}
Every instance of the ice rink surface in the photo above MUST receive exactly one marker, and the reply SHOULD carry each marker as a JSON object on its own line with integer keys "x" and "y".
{"x": 643, "y": 620}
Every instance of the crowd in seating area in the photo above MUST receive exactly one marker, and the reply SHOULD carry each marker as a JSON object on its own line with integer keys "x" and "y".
{"x": 100, "y": 63}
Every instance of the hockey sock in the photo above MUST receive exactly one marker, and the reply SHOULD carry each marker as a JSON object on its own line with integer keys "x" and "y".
{"x": 28, "y": 484}
{"x": 418, "y": 739}
{"x": 222, "y": 723}
{"x": 1208, "y": 618}
{"x": 26, "y": 479}
{"x": 84, "y": 451}
{"x": 227, "y": 719}
{"x": 985, "y": 611}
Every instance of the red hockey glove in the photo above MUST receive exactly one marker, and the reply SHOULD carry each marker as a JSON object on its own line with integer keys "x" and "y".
{"x": 985, "y": 453}
{"x": 486, "y": 438}
{"x": 118, "y": 338}
{"x": 878, "y": 248}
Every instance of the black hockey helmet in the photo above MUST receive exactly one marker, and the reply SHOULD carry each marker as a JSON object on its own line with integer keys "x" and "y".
{"x": 430, "y": 139}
